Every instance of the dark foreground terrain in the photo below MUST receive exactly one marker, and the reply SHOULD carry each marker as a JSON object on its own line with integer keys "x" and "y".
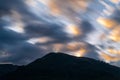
{"x": 59, "y": 66}
{"x": 7, "y": 68}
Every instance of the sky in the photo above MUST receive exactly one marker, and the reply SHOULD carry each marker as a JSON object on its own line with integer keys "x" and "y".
{"x": 29, "y": 29}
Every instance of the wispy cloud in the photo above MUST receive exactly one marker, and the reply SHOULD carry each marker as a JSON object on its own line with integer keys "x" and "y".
{"x": 30, "y": 28}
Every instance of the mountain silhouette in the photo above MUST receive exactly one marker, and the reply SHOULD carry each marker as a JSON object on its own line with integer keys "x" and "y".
{"x": 7, "y": 68}
{"x": 60, "y": 66}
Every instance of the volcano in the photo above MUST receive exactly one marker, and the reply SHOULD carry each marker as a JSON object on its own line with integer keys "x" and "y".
{"x": 60, "y": 66}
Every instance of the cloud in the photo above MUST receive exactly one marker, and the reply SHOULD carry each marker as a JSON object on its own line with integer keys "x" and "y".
{"x": 14, "y": 15}
{"x": 15, "y": 49}
{"x": 6, "y": 6}
{"x": 21, "y": 53}
{"x": 115, "y": 16}
{"x": 53, "y": 31}
{"x": 31, "y": 28}
{"x": 8, "y": 36}
{"x": 86, "y": 27}
{"x": 70, "y": 6}
{"x": 107, "y": 22}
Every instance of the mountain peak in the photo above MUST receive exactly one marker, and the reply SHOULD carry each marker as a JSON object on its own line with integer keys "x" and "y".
{"x": 60, "y": 66}
{"x": 59, "y": 57}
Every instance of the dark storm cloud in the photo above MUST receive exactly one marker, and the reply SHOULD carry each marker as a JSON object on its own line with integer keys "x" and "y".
{"x": 23, "y": 53}
{"x": 116, "y": 15}
{"x": 7, "y": 5}
{"x": 86, "y": 27}
{"x": 10, "y": 37}
{"x": 14, "y": 44}
{"x": 3, "y": 23}
{"x": 92, "y": 52}
{"x": 53, "y": 31}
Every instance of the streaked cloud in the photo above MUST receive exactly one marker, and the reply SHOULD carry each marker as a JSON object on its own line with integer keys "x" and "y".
{"x": 73, "y": 30}
{"x": 31, "y": 28}
{"x": 115, "y": 1}
{"x": 106, "y": 22}
{"x": 109, "y": 58}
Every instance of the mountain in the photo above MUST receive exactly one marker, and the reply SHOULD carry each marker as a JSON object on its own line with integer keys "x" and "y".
{"x": 60, "y": 66}
{"x": 7, "y": 68}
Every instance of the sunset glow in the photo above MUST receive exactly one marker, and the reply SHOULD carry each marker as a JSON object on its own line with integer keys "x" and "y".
{"x": 83, "y": 28}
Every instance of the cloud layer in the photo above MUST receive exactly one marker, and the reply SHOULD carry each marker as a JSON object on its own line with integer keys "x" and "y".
{"x": 31, "y": 28}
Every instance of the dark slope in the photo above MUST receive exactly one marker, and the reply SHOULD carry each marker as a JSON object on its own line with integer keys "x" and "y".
{"x": 7, "y": 68}
{"x": 64, "y": 67}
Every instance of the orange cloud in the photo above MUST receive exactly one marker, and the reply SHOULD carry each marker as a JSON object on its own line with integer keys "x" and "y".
{"x": 78, "y": 49}
{"x": 74, "y": 46}
{"x": 81, "y": 52}
{"x": 115, "y": 1}
{"x": 57, "y": 47}
{"x": 108, "y": 23}
{"x": 109, "y": 58}
{"x": 115, "y": 34}
{"x": 54, "y": 8}
{"x": 73, "y": 29}
{"x": 63, "y": 6}
{"x": 113, "y": 51}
